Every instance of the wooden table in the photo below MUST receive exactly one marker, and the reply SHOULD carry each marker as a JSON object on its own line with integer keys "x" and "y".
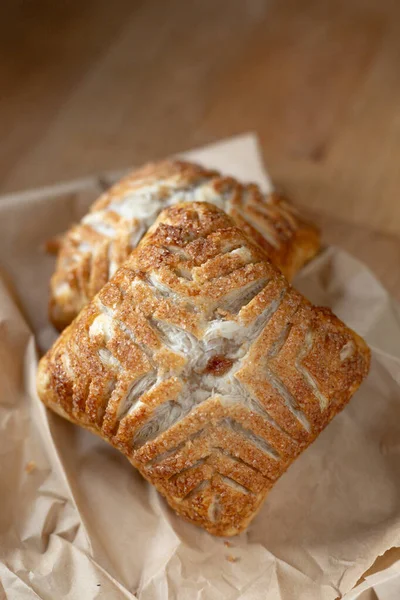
{"x": 98, "y": 85}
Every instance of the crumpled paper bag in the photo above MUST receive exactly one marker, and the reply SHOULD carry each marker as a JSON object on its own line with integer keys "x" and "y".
{"x": 78, "y": 522}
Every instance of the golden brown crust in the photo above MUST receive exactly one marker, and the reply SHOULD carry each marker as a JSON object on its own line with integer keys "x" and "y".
{"x": 91, "y": 251}
{"x": 204, "y": 367}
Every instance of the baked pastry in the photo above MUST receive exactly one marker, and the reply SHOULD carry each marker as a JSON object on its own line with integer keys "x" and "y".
{"x": 204, "y": 367}
{"x": 91, "y": 251}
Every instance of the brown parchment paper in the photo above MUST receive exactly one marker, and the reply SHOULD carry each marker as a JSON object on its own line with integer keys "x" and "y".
{"x": 78, "y": 523}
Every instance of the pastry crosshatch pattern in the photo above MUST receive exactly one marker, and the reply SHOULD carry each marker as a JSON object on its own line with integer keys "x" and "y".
{"x": 204, "y": 367}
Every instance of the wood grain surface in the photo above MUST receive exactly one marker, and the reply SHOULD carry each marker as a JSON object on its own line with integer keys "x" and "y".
{"x": 98, "y": 85}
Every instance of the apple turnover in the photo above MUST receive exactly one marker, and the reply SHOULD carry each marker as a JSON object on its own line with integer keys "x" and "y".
{"x": 202, "y": 364}
{"x": 92, "y": 251}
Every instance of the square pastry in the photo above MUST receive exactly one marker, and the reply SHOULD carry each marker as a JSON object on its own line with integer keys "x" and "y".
{"x": 202, "y": 364}
{"x": 91, "y": 251}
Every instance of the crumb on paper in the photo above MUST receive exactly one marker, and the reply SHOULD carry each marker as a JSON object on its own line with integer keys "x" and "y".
{"x": 30, "y": 466}
{"x": 231, "y": 558}
{"x": 228, "y": 544}
{"x": 52, "y": 245}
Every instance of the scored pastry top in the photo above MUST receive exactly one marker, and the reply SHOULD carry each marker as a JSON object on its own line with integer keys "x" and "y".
{"x": 204, "y": 367}
{"x": 92, "y": 250}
